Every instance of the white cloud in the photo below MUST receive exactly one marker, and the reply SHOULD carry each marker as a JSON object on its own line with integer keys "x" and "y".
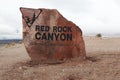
{"x": 5, "y": 29}
{"x": 8, "y": 32}
{"x": 93, "y": 16}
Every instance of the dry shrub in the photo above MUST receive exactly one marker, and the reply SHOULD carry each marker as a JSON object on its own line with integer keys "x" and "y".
{"x": 10, "y": 44}
{"x": 99, "y": 35}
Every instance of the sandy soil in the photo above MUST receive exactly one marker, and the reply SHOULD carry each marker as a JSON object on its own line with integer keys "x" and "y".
{"x": 102, "y": 63}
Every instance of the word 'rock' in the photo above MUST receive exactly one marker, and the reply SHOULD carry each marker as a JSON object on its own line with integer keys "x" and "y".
{"x": 49, "y": 37}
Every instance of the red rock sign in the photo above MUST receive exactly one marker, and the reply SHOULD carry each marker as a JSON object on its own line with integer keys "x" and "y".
{"x": 48, "y": 36}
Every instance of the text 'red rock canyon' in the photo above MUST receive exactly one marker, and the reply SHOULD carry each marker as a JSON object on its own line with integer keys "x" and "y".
{"x": 48, "y": 36}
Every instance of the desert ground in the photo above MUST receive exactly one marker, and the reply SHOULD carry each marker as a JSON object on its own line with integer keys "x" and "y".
{"x": 102, "y": 63}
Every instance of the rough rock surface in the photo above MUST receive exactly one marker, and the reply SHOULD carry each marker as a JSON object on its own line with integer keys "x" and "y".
{"x": 48, "y": 36}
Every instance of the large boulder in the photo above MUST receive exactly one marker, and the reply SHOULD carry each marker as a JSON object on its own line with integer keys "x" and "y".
{"x": 48, "y": 36}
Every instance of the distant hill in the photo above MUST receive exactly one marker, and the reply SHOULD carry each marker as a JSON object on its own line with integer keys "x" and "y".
{"x": 10, "y": 40}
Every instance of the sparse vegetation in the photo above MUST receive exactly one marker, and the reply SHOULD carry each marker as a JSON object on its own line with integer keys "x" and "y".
{"x": 99, "y": 35}
{"x": 10, "y": 44}
{"x": 20, "y": 42}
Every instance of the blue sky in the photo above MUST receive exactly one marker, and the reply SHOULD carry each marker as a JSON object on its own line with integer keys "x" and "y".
{"x": 92, "y": 16}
